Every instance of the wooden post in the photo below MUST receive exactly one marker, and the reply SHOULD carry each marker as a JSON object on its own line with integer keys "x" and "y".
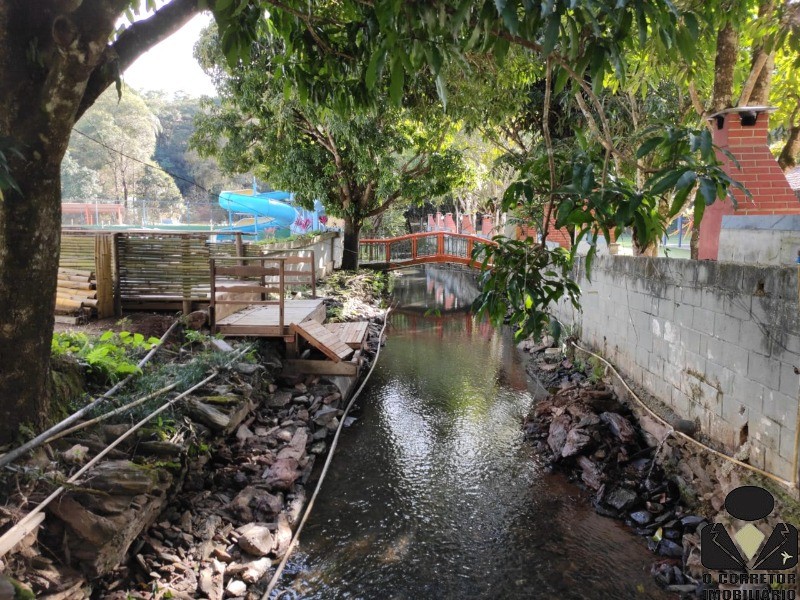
{"x": 117, "y": 283}
{"x": 239, "y": 247}
{"x": 388, "y": 249}
{"x": 280, "y": 292}
{"x": 213, "y": 297}
{"x": 186, "y": 282}
{"x": 470, "y": 245}
{"x": 413, "y": 248}
{"x": 102, "y": 272}
{"x": 440, "y": 244}
{"x": 313, "y": 275}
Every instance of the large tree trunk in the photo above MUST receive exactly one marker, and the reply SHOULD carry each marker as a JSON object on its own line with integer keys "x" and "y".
{"x": 28, "y": 272}
{"x": 54, "y": 62}
{"x": 724, "y": 66}
{"x": 352, "y": 228}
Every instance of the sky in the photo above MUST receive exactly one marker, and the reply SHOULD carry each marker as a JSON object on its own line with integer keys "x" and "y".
{"x": 170, "y": 66}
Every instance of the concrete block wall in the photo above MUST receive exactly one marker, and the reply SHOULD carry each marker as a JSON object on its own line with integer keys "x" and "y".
{"x": 716, "y": 342}
{"x": 328, "y": 248}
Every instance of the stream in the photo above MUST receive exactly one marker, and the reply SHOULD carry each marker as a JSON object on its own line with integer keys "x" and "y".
{"x": 433, "y": 492}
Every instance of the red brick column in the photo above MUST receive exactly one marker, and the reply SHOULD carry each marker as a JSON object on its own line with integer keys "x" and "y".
{"x": 758, "y": 171}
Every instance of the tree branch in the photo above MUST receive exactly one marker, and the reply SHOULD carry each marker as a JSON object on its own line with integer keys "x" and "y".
{"x": 132, "y": 43}
{"x": 752, "y": 78}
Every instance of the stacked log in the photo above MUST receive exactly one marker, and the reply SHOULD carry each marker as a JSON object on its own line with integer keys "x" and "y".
{"x": 76, "y": 295}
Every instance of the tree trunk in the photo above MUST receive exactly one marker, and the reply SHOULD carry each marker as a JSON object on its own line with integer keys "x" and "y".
{"x": 29, "y": 246}
{"x": 724, "y": 65}
{"x": 788, "y": 156}
{"x": 352, "y": 228}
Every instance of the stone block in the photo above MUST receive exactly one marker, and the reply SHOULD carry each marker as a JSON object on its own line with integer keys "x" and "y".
{"x": 715, "y": 350}
{"x": 767, "y": 432}
{"x": 727, "y": 328}
{"x": 680, "y": 402}
{"x": 736, "y": 305}
{"x": 748, "y": 392}
{"x": 754, "y": 337}
{"x": 690, "y": 340}
{"x": 757, "y": 453}
{"x": 719, "y": 376}
{"x": 692, "y": 296}
{"x": 780, "y": 408}
{"x": 683, "y": 315}
{"x": 787, "y": 443}
{"x": 729, "y": 277}
{"x": 735, "y": 358}
{"x": 703, "y": 320}
{"x": 735, "y": 412}
{"x": 764, "y": 370}
{"x": 706, "y": 273}
{"x": 777, "y": 465}
{"x": 790, "y": 381}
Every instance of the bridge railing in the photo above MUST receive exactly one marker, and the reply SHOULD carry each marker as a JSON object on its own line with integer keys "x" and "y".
{"x": 418, "y": 248}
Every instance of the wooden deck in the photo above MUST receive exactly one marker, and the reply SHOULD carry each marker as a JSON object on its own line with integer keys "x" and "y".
{"x": 263, "y": 321}
{"x": 352, "y": 334}
{"x": 323, "y": 340}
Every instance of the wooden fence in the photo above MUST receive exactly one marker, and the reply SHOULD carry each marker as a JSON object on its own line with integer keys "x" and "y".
{"x": 144, "y": 270}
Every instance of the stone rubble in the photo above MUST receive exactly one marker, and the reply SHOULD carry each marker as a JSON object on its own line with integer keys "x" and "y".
{"x": 208, "y": 517}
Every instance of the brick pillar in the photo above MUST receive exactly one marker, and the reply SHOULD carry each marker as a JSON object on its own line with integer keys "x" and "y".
{"x": 439, "y": 221}
{"x": 486, "y": 225}
{"x": 431, "y": 223}
{"x": 466, "y": 225}
{"x": 744, "y": 135}
{"x": 449, "y": 223}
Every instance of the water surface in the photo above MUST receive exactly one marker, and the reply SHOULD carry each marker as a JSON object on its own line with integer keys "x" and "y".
{"x": 433, "y": 493}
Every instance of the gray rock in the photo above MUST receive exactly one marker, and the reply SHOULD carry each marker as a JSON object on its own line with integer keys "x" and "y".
{"x": 620, "y": 427}
{"x": 279, "y": 399}
{"x": 577, "y": 440}
{"x": 641, "y": 517}
{"x": 255, "y": 539}
{"x": 325, "y": 415}
{"x": 557, "y": 435}
{"x": 621, "y": 498}
{"x": 670, "y": 548}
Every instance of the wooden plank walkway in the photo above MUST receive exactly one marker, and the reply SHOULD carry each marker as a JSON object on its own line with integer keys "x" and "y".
{"x": 352, "y": 334}
{"x": 323, "y": 340}
{"x": 264, "y": 320}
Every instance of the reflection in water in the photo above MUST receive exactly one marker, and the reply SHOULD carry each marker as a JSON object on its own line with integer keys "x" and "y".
{"x": 434, "y": 494}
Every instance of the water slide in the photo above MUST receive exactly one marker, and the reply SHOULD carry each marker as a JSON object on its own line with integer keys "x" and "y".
{"x": 270, "y": 206}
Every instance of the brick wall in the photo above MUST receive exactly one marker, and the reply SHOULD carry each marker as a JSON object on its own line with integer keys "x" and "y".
{"x": 758, "y": 171}
{"x": 716, "y": 342}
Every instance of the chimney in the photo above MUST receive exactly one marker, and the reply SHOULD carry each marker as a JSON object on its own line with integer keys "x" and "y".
{"x": 466, "y": 225}
{"x": 743, "y": 132}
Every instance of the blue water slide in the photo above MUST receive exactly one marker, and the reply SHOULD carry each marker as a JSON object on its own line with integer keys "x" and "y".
{"x": 265, "y": 204}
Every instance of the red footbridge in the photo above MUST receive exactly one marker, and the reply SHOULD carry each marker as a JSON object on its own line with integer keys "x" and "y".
{"x": 419, "y": 249}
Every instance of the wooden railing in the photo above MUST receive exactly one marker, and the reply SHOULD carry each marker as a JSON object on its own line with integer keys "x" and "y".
{"x": 420, "y": 248}
{"x": 238, "y": 282}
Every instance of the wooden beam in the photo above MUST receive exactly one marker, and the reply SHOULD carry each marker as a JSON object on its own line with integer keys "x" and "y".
{"x": 319, "y": 367}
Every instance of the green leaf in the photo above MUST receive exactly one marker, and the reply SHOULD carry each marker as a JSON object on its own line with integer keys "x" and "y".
{"x": 375, "y": 67}
{"x": 707, "y": 190}
{"x": 667, "y": 181}
{"x": 441, "y": 90}
{"x": 501, "y": 46}
{"x": 551, "y": 33}
{"x": 648, "y": 146}
{"x": 699, "y": 209}
{"x": 397, "y": 81}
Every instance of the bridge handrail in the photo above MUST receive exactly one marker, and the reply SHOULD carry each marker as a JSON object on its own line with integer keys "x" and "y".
{"x": 408, "y": 236}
